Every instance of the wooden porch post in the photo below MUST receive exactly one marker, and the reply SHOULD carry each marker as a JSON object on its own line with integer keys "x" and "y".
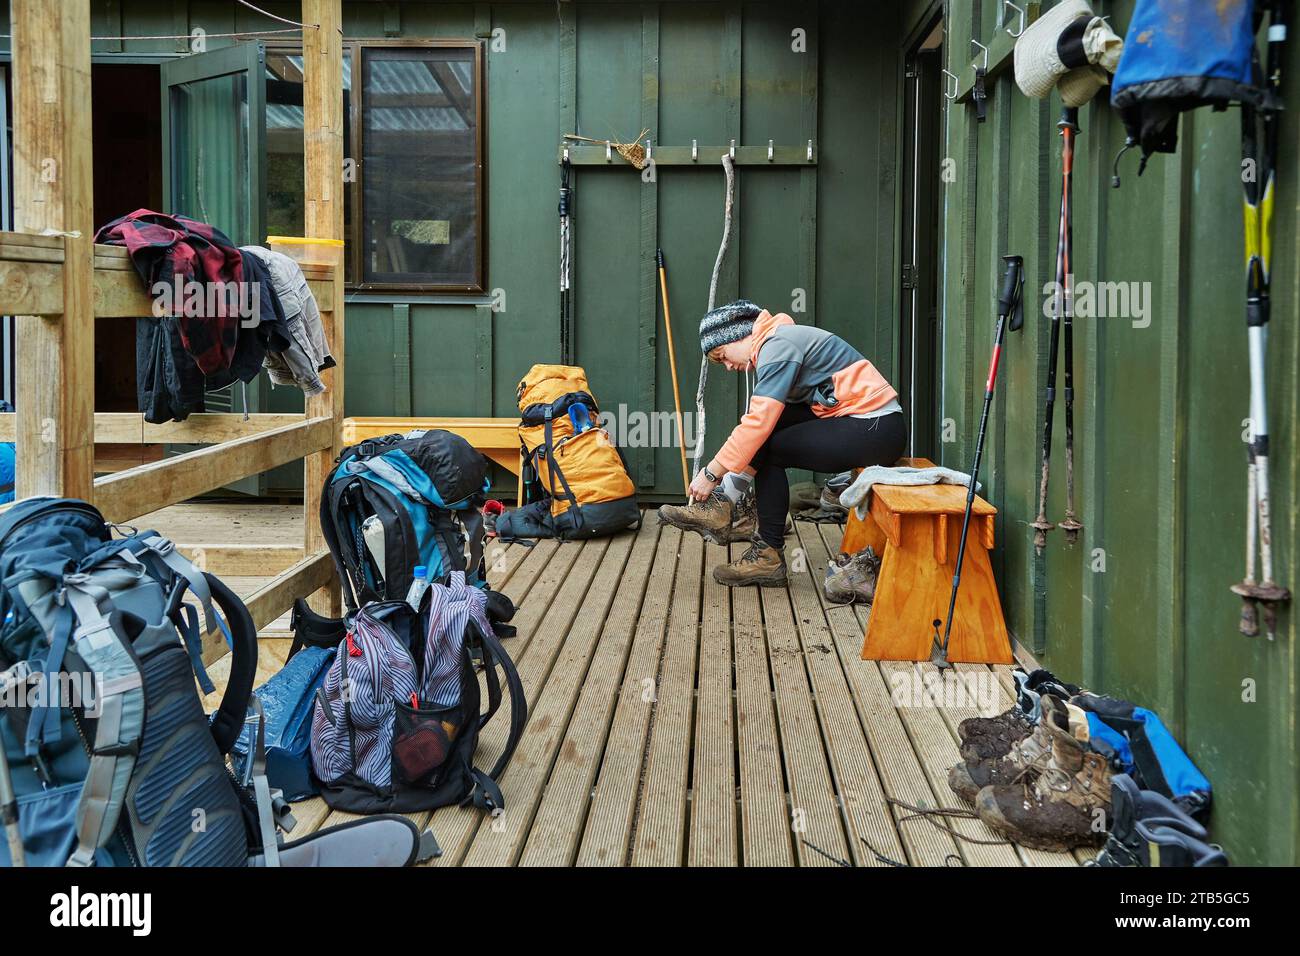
{"x": 323, "y": 151}
{"x": 52, "y": 192}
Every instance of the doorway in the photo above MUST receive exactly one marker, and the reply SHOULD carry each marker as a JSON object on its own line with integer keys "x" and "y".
{"x": 127, "y": 149}
{"x": 919, "y": 333}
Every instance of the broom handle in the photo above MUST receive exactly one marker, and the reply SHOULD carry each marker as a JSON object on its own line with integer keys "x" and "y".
{"x": 672, "y": 367}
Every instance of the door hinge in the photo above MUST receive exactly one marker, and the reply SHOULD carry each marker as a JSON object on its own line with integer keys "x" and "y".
{"x": 909, "y": 276}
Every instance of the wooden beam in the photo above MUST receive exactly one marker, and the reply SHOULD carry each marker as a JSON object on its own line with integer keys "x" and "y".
{"x": 322, "y": 126}
{"x": 202, "y": 428}
{"x": 242, "y": 560}
{"x": 52, "y": 186}
{"x": 276, "y": 596}
{"x": 32, "y": 278}
{"x": 139, "y": 491}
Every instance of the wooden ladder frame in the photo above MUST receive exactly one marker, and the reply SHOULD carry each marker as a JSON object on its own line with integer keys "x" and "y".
{"x": 56, "y": 281}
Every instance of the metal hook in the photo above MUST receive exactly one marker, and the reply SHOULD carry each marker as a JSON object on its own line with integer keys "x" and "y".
{"x": 731, "y": 150}
{"x": 955, "y": 83}
{"x": 985, "y": 64}
{"x": 1008, "y": 3}
{"x": 649, "y": 149}
{"x": 566, "y": 152}
{"x": 810, "y": 151}
{"x": 695, "y": 150}
{"x": 609, "y": 152}
{"x": 769, "y": 150}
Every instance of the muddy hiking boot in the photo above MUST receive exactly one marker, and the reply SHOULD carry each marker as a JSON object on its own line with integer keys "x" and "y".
{"x": 761, "y": 565}
{"x": 1149, "y": 829}
{"x": 851, "y": 578}
{"x": 995, "y": 750}
{"x": 1063, "y": 799}
{"x": 710, "y": 517}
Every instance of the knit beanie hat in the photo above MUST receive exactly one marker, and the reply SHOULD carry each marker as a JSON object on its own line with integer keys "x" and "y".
{"x": 726, "y": 324}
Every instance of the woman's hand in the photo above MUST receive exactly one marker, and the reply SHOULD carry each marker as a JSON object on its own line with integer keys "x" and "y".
{"x": 702, "y": 487}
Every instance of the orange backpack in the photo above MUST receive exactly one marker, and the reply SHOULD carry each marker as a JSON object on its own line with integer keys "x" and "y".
{"x": 570, "y": 460}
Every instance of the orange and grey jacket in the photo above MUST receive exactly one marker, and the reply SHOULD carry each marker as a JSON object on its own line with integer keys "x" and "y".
{"x": 801, "y": 363}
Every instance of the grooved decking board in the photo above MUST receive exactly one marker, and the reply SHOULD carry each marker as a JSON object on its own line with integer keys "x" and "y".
{"x": 712, "y": 837}
{"x": 704, "y": 774}
{"x": 609, "y": 822}
{"x": 499, "y": 841}
{"x": 814, "y": 809}
{"x": 901, "y": 774}
{"x": 764, "y": 807}
{"x": 660, "y": 828}
{"x": 543, "y": 620}
{"x": 562, "y": 813}
{"x": 856, "y": 780}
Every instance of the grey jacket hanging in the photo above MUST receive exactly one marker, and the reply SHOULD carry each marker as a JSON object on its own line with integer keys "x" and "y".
{"x": 308, "y": 353}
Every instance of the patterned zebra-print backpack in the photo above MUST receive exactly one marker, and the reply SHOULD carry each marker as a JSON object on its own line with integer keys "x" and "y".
{"x": 397, "y": 721}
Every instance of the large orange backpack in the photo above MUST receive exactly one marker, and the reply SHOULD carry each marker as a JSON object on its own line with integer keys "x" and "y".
{"x": 570, "y": 462}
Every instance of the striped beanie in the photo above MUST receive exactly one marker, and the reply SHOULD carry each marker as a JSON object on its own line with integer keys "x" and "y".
{"x": 726, "y": 324}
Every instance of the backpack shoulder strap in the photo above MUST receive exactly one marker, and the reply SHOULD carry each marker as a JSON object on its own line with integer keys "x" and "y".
{"x": 120, "y": 704}
{"x": 486, "y": 794}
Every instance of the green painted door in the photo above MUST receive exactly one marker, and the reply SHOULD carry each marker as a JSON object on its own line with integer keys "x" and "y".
{"x": 214, "y": 167}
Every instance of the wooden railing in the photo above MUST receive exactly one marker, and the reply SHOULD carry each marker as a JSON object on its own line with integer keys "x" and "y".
{"x": 56, "y": 281}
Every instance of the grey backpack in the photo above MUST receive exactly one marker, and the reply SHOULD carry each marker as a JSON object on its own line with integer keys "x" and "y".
{"x": 106, "y": 754}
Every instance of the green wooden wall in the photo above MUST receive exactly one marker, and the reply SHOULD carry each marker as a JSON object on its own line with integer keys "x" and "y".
{"x": 710, "y": 72}
{"x": 1159, "y": 421}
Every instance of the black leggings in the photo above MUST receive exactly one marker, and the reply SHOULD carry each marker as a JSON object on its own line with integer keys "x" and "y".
{"x": 802, "y": 440}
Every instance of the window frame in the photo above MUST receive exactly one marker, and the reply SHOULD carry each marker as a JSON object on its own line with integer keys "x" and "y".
{"x": 354, "y": 241}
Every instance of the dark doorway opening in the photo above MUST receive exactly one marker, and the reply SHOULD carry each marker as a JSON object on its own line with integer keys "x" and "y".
{"x": 127, "y": 145}
{"x": 920, "y": 335}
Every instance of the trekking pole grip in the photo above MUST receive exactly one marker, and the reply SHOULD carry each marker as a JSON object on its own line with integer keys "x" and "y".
{"x": 1011, "y": 284}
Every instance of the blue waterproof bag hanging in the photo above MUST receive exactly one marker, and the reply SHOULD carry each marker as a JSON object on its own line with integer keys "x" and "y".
{"x": 1182, "y": 54}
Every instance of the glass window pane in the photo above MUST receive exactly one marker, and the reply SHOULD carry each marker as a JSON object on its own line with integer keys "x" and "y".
{"x": 285, "y": 166}
{"x": 210, "y": 154}
{"x": 420, "y": 170}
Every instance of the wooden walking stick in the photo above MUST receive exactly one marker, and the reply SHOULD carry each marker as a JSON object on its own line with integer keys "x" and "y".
{"x": 672, "y": 367}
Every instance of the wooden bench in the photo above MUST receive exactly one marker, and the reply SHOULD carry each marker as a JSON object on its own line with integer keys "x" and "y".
{"x": 916, "y": 530}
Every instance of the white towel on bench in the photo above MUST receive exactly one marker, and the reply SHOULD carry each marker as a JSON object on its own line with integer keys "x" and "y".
{"x": 855, "y": 495}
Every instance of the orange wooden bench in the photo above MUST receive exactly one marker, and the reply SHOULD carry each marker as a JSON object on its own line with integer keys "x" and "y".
{"x": 916, "y": 530}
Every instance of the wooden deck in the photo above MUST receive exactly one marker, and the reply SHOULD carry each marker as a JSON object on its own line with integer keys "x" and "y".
{"x": 675, "y": 723}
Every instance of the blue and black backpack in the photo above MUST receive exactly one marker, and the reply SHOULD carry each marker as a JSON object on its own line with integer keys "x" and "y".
{"x": 107, "y": 757}
{"x": 392, "y": 504}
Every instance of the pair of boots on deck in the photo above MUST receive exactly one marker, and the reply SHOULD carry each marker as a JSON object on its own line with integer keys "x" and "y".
{"x": 719, "y": 520}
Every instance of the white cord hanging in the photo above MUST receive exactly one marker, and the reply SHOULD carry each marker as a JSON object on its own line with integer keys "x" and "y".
{"x": 728, "y": 167}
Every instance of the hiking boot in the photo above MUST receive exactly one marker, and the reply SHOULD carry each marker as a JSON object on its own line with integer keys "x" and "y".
{"x": 1131, "y": 806}
{"x": 762, "y": 564}
{"x": 710, "y": 517}
{"x": 995, "y": 750}
{"x": 852, "y": 578}
{"x": 744, "y": 522}
{"x": 1068, "y": 801}
{"x": 831, "y": 491}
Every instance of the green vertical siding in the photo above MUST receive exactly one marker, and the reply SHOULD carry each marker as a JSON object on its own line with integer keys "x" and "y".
{"x": 1159, "y": 457}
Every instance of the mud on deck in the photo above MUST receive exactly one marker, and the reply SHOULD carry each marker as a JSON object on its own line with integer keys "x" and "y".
{"x": 675, "y": 723}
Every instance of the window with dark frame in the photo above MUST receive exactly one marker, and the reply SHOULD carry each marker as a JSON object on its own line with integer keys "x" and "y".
{"x": 414, "y": 197}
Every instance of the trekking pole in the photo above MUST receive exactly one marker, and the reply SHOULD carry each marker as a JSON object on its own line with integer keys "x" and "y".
{"x": 672, "y": 368}
{"x": 1258, "y": 218}
{"x": 566, "y": 261}
{"x": 1009, "y": 301}
{"x": 9, "y": 811}
{"x": 1041, "y": 525}
{"x": 1069, "y": 132}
